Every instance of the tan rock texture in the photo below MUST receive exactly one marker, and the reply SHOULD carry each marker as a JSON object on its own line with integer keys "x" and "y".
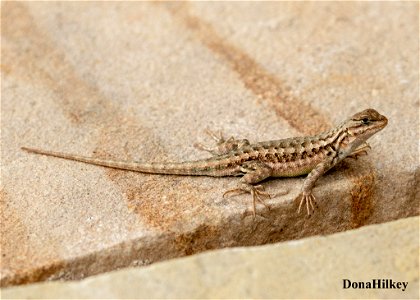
{"x": 310, "y": 268}
{"x": 141, "y": 81}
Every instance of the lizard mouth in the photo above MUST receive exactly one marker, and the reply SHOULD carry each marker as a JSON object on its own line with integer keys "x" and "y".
{"x": 375, "y": 126}
{"x": 382, "y": 122}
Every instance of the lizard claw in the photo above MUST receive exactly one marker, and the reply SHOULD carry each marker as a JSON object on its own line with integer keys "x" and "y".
{"x": 233, "y": 192}
{"x": 258, "y": 194}
{"x": 310, "y": 200}
{"x": 355, "y": 156}
{"x": 223, "y": 145}
{"x": 361, "y": 151}
{"x": 215, "y": 135}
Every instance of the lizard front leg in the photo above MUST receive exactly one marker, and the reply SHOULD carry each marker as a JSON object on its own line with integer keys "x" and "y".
{"x": 222, "y": 146}
{"x": 309, "y": 183}
{"x": 255, "y": 172}
{"x": 359, "y": 151}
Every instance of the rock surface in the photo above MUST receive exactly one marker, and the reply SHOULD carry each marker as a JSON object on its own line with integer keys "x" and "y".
{"x": 310, "y": 268}
{"x": 141, "y": 81}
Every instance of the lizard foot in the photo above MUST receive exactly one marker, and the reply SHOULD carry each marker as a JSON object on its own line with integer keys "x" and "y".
{"x": 361, "y": 151}
{"x": 223, "y": 146}
{"x": 216, "y": 136}
{"x": 355, "y": 156}
{"x": 309, "y": 198}
{"x": 258, "y": 194}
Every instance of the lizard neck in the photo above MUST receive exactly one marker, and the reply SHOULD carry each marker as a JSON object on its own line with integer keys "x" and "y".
{"x": 336, "y": 142}
{"x": 331, "y": 138}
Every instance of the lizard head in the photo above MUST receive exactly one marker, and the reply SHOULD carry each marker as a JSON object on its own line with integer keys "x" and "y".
{"x": 363, "y": 125}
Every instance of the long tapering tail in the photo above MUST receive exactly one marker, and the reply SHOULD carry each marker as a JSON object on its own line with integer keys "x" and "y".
{"x": 199, "y": 167}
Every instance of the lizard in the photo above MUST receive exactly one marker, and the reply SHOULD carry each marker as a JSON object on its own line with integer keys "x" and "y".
{"x": 290, "y": 157}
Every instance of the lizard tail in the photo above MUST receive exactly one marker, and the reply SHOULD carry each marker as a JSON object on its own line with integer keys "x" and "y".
{"x": 200, "y": 167}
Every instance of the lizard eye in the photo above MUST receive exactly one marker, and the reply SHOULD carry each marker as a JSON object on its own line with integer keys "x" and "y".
{"x": 365, "y": 121}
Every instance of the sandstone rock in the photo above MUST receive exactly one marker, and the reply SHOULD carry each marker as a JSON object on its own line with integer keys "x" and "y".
{"x": 309, "y": 268}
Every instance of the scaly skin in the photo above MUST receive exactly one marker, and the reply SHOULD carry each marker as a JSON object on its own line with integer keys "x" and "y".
{"x": 313, "y": 155}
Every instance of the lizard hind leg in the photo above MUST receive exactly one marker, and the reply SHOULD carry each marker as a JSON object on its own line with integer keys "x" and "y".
{"x": 257, "y": 192}
{"x": 255, "y": 172}
{"x": 223, "y": 146}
